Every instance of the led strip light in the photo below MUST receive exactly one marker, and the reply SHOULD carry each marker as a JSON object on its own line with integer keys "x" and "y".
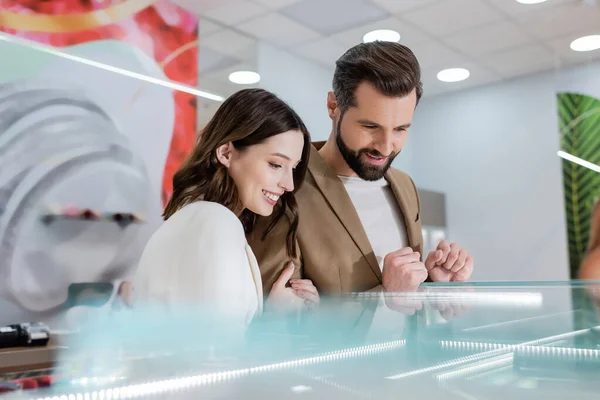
{"x": 486, "y": 354}
{"x": 497, "y": 299}
{"x": 572, "y": 354}
{"x": 191, "y": 382}
{"x": 166, "y": 83}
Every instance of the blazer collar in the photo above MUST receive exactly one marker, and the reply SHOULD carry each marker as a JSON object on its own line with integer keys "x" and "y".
{"x": 336, "y": 195}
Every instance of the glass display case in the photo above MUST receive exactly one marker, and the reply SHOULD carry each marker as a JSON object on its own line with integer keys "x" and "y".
{"x": 498, "y": 340}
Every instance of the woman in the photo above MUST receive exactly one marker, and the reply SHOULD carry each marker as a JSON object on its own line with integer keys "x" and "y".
{"x": 590, "y": 266}
{"x": 250, "y": 157}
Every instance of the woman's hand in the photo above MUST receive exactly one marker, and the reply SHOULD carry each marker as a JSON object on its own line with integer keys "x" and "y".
{"x": 301, "y": 293}
{"x": 305, "y": 289}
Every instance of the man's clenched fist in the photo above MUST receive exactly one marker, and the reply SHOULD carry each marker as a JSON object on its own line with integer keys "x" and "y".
{"x": 403, "y": 271}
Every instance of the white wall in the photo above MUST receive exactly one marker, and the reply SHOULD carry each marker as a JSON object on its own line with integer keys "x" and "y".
{"x": 301, "y": 83}
{"x": 492, "y": 151}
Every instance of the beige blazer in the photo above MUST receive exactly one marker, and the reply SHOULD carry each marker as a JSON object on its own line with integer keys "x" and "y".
{"x": 335, "y": 252}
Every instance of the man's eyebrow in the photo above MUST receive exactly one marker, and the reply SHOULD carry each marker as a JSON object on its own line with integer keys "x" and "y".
{"x": 368, "y": 122}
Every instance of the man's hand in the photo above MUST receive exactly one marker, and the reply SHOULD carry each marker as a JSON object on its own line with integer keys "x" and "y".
{"x": 449, "y": 263}
{"x": 403, "y": 271}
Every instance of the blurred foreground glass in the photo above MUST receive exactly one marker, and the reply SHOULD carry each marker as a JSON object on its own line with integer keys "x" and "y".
{"x": 467, "y": 341}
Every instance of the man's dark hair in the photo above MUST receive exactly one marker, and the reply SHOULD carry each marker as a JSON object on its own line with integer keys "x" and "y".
{"x": 390, "y": 67}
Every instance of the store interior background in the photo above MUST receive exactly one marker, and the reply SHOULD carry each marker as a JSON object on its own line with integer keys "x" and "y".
{"x": 487, "y": 144}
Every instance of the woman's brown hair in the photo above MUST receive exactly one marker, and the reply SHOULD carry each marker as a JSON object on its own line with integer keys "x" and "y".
{"x": 245, "y": 119}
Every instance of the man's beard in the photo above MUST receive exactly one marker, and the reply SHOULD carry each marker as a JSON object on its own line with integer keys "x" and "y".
{"x": 363, "y": 169}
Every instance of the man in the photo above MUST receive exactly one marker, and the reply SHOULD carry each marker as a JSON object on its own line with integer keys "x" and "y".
{"x": 360, "y": 222}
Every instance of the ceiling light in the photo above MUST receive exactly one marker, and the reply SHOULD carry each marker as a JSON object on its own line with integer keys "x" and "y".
{"x": 586, "y": 43}
{"x": 453, "y": 75}
{"x": 244, "y": 77}
{"x": 383, "y": 35}
{"x": 531, "y": 1}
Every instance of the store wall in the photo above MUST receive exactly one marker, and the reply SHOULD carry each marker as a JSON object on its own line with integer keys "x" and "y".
{"x": 301, "y": 83}
{"x": 492, "y": 151}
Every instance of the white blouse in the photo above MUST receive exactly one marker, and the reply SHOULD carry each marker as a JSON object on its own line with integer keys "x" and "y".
{"x": 199, "y": 258}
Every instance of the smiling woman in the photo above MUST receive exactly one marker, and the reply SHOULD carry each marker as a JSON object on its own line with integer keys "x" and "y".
{"x": 251, "y": 156}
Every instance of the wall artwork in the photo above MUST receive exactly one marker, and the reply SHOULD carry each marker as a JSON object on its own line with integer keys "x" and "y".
{"x": 87, "y": 154}
{"x": 579, "y": 119}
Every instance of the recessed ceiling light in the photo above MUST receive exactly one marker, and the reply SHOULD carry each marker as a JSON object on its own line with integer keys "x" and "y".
{"x": 586, "y": 43}
{"x": 531, "y": 1}
{"x": 244, "y": 77}
{"x": 383, "y": 35}
{"x": 453, "y": 75}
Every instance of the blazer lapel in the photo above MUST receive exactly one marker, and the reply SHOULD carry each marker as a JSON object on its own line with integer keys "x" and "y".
{"x": 336, "y": 195}
{"x": 402, "y": 196}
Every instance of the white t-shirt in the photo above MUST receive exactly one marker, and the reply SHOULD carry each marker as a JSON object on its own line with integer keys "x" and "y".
{"x": 384, "y": 225}
{"x": 379, "y": 214}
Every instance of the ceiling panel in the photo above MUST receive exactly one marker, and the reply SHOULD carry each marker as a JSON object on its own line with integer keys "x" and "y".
{"x": 325, "y": 51}
{"x": 276, "y": 4}
{"x": 400, "y": 6}
{"x": 210, "y": 60}
{"x": 451, "y": 16}
{"x": 432, "y": 54}
{"x": 560, "y": 21}
{"x": 408, "y": 33}
{"x": 331, "y": 16}
{"x": 523, "y": 60}
{"x": 200, "y": 7}
{"x": 494, "y": 37}
{"x": 232, "y": 43}
{"x": 279, "y": 30}
{"x": 206, "y": 27}
{"x": 514, "y": 8}
{"x": 234, "y": 12}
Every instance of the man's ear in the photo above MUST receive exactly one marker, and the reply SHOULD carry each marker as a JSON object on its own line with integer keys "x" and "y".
{"x": 332, "y": 106}
{"x": 224, "y": 153}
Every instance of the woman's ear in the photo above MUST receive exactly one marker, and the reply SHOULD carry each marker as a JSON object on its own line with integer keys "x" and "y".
{"x": 224, "y": 153}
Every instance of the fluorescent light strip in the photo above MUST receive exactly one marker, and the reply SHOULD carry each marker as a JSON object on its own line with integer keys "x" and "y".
{"x": 497, "y": 299}
{"x": 166, "y": 83}
{"x": 479, "y": 367}
{"x": 573, "y": 354}
{"x": 515, "y": 321}
{"x": 159, "y": 387}
{"x": 486, "y": 354}
{"x": 579, "y": 161}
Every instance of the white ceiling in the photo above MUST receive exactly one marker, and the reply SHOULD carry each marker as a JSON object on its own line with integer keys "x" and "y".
{"x": 495, "y": 39}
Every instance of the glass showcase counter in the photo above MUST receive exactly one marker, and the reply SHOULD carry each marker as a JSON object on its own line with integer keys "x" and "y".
{"x": 459, "y": 341}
